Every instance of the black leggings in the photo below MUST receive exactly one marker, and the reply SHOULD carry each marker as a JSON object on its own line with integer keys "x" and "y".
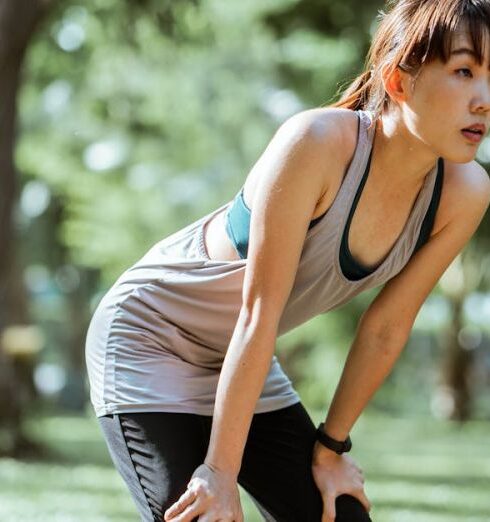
{"x": 156, "y": 454}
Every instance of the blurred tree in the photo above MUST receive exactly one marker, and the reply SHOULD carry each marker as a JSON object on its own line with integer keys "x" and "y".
{"x": 467, "y": 275}
{"x": 18, "y": 21}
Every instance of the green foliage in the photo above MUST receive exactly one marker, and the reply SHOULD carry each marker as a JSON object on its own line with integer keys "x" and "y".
{"x": 149, "y": 114}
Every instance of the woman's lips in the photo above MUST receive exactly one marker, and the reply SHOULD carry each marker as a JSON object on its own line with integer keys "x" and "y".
{"x": 474, "y": 137}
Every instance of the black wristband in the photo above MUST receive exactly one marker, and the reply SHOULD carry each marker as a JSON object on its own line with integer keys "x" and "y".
{"x": 338, "y": 446}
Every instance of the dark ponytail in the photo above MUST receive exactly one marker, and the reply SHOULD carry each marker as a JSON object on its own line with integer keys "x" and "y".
{"x": 357, "y": 94}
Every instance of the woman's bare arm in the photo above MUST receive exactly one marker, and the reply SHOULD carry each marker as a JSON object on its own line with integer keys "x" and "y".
{"x": 386, "y": 325}
{"x": 293, "y": 176}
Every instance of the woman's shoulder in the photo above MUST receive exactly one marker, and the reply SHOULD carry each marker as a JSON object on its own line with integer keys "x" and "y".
{"x": 466, "y": 189}
{"x": 329, "y": 134}
{"x": 325, "y": 125}
{"x": 316, "y": 143}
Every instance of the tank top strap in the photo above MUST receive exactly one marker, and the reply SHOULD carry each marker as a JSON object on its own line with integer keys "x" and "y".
{"x": 355, "y": 170}
{"x": 353, "y": 177}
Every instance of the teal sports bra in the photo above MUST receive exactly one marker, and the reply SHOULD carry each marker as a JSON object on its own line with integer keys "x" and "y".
{"x": 238, "y": 225}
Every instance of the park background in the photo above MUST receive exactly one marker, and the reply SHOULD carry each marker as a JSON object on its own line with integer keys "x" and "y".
{"x": 123, "y": 121}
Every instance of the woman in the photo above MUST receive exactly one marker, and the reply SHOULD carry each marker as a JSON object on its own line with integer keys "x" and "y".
{"x": 381, "y": 188}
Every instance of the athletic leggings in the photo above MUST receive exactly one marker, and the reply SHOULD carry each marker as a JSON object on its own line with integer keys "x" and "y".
{"x": 156, "y": 454}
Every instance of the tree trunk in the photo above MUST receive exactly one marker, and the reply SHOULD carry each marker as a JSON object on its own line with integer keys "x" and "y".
{"x": 463, "y": 277}
{"x": 457, "y": 364}
{"x": 18, "y": 21}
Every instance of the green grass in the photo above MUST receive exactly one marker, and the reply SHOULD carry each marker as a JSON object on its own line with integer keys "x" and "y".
{"x": 417, "y": 470}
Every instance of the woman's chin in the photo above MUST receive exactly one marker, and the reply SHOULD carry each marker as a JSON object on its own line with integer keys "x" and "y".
{"x": 461, "y": 157}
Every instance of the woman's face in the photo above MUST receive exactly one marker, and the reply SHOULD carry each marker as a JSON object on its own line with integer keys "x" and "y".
{"x": 449, "y": 97}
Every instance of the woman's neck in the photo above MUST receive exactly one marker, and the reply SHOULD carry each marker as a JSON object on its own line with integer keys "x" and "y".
{"x": 399, "y": 156}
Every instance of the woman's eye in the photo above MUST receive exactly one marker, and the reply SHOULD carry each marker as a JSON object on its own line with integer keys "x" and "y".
{"x": 464, "y": 72}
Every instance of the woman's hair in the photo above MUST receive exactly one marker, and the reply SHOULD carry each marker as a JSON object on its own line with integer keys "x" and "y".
{"x": 410, "y": 34}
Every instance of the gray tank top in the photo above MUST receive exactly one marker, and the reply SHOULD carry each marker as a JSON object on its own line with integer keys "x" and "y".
{"x": 157, "y": 340}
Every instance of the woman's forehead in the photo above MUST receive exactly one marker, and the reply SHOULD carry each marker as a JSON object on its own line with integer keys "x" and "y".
{"x": 461, "y": 39}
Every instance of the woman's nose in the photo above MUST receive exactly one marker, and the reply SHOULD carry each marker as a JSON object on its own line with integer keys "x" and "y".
{"x": 482, "y": 100}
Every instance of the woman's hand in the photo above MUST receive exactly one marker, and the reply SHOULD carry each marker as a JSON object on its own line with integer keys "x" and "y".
{"x": 335, "y": 475}
{"x": 211, "y": 495}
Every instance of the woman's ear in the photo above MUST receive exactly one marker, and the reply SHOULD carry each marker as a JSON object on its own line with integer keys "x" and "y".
{"x": 397, "y": 83}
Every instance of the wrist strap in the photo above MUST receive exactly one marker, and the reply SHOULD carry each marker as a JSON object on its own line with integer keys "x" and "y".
{"x": 338, "y": 446}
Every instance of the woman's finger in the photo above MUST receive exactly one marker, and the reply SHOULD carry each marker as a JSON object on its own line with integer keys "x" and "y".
{"x": 185, "y": 499}
{"x": 329, "y": 508}
{"x": 222, "y": 516}
{"x": 364, "y": 500}
{"x": 189, "y": 513}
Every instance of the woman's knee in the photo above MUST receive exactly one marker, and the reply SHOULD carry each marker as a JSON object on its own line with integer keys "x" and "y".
{"x": 350, "y": 509}
{"x": 156, "y": 454}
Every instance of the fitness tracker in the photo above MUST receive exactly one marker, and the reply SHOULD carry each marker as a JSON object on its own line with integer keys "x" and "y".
{"x": 338, "y": 446}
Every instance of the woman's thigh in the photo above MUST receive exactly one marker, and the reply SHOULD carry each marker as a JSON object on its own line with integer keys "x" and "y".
{"x": 276, "y": 469}
{"x": 156, "y": 454}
